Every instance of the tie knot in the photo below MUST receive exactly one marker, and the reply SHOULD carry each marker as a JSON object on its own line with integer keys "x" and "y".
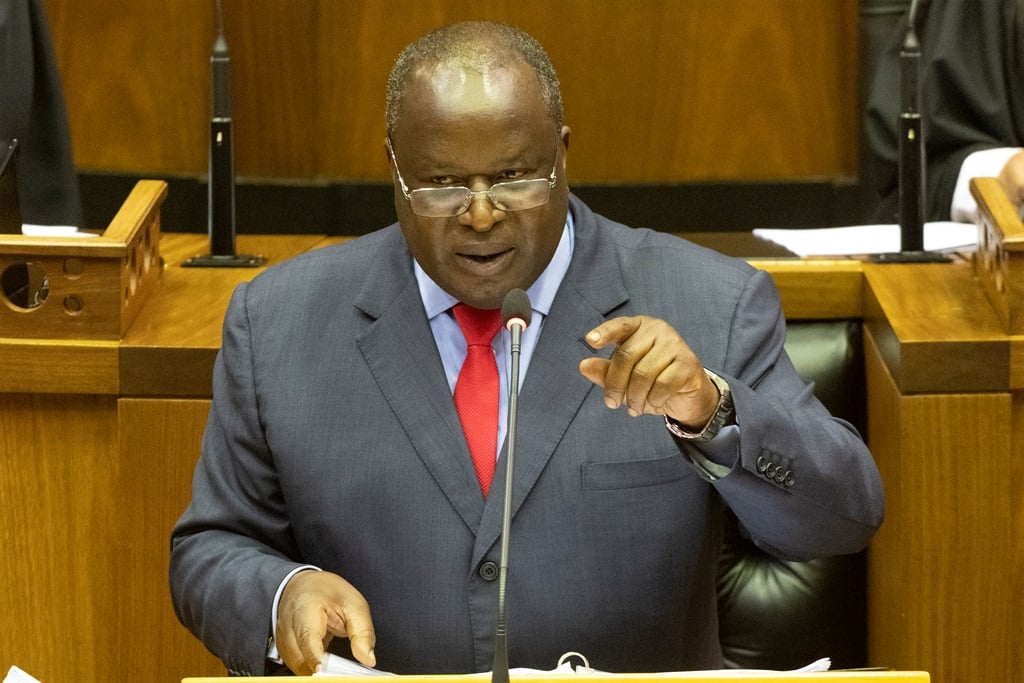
{"x": 478, "y": 325}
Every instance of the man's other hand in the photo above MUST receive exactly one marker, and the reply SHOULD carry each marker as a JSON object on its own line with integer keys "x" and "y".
{"x": 315, "y": 607}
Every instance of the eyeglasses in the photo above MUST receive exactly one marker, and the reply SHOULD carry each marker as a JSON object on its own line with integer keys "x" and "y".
{"x": 445, "y": 202}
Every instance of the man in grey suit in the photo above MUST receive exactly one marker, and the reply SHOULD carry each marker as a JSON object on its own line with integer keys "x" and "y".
{"x": 335, "y": 504}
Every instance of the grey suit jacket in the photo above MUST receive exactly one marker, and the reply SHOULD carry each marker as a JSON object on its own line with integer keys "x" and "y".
{"x": 333, "y": 440}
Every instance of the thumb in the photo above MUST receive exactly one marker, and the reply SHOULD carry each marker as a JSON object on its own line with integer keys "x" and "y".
{"x": 595, "y": 369}
{"x": 361, "y": 636}
{"x": 362, "y": 645}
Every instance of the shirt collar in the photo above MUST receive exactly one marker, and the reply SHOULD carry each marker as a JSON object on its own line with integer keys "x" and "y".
{"x": 542, "y": 292}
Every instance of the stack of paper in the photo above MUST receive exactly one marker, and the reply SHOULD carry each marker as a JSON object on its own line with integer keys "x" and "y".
{"x": 333, "y": 665}
{"x": 869, "y": 239}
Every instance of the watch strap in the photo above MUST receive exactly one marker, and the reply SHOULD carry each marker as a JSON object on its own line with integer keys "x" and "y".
{"x": 724, "y": 412}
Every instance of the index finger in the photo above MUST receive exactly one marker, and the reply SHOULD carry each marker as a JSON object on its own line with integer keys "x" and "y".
{"x": 614, "y": 331}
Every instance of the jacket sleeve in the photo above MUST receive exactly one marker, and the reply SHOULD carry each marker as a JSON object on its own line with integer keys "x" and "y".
{"x": 230, "y": 550}
{"x": 804, "y": 484}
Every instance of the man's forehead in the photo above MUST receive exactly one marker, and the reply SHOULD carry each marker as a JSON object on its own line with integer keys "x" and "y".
{"x": 452, "y": 82}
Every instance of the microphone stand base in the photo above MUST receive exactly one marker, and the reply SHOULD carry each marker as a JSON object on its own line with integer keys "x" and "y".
{"x": 214, "y": 261}
{"x": 911, "y": 257}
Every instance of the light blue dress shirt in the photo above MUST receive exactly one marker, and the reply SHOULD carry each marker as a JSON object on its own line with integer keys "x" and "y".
{"x": 451, "y": 344}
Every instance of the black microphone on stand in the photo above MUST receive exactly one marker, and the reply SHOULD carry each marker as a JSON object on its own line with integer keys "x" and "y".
{"x": 221, "y": 192}
{"x": 515, "y": 315}
{"x": 911, "y": 142}
{"x": 912, "y": 158}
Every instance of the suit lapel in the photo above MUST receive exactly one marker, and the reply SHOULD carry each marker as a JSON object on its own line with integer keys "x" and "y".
{"x": 400, "y": 352}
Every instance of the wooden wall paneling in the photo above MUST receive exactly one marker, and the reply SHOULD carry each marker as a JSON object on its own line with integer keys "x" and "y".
{"x": 946, "y": 461}
{"x": 278, "y": 97}
{"x": 136, "y": 81}
{"x": 63, "y": 510}
{"x": 660, "y": 91}
{"x": 709, "y": 91}
{"x": 159, "y": 445}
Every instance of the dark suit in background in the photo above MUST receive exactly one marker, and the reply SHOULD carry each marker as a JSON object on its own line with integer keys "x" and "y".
{"x": 333, "y": 440}
{"x": 972, "y": 94}
{"x": 32, "y": 110}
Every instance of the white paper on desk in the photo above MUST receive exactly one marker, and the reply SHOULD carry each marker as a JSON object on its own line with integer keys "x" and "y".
{"x": 334, "y": 665}
{"x": 16, "y": 675}
{"x": 54, "y": 231}
{"x": 869, "y": 239}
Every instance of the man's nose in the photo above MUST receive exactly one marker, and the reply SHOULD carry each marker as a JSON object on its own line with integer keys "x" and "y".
{"x": 482, "y": 214}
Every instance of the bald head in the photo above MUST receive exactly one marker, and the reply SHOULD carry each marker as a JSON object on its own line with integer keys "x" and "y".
{"x": 481, "y": 48}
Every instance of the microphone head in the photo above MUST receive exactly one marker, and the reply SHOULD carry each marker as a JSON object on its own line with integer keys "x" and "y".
{"x": 515, "y": 307}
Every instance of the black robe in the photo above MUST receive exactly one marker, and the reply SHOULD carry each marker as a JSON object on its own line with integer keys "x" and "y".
{"x": 972, "y": 95}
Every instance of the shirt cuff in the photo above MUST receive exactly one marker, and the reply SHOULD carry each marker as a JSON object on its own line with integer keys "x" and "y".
{"x": 717, "y": 458}
{"x": 272, "y": 653}
{"x": 986, "y": 163}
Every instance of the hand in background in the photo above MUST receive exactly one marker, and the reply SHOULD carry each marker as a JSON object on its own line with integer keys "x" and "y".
{"x": 315, "y": 607}
{"x": 1012, "y": 179}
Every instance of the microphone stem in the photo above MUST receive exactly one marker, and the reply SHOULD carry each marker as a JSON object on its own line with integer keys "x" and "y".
{"x": 499, "y": 672}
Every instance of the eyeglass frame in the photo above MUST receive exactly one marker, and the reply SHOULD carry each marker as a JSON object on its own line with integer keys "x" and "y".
{"x": 551, "y": 180}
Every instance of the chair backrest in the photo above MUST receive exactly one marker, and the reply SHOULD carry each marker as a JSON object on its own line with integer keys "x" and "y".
{"x": 775, "y": 614}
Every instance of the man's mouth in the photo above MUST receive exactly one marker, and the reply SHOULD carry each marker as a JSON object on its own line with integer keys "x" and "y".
{"x": 483, "y": 258}
{"x": 491, "y": 259}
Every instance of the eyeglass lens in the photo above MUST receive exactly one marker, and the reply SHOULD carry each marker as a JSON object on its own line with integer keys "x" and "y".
{"x": 517, "y": 195}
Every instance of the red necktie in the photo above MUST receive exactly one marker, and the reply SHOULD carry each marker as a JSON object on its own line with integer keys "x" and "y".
{"x": 476, "y": 390}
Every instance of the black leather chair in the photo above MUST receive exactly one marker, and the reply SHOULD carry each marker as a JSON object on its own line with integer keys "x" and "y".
{"x": 775, "y": 614}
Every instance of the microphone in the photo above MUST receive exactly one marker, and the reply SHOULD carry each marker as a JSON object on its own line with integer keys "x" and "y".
{"x": 911, "y": 141}
{"x": 911, "y": 165}
{"x": 220, "y": 217}
{"x": 515, "y": 315}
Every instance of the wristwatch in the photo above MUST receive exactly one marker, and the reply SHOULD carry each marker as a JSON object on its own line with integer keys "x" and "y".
{"x": 724, "y": 412}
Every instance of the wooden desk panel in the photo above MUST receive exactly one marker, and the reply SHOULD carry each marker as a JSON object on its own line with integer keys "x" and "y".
{"x": 58, "y": 366}
{"x": 63, "y": 511}
{"x": 159, "y": 443}
{"x": 935, "y": 329}
{"x": 935, "y": 566}
{"x": 817, "y": 289}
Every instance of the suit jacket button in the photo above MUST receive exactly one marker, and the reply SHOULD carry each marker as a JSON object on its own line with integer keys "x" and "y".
{"x": 488, "y": 571}
{"x": 762, "y": 464}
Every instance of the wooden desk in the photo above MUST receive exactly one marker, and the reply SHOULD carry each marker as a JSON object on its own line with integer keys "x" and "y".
{"x": 98, "y": 441}
{"x": 97, "y": 451}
